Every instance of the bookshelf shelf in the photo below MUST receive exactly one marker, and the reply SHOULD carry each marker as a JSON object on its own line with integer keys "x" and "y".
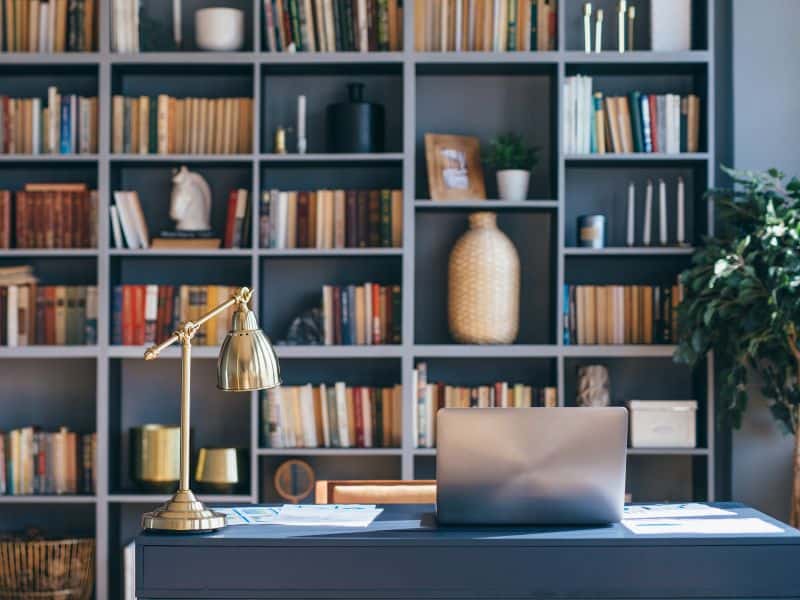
{"x": 474, "y": 93}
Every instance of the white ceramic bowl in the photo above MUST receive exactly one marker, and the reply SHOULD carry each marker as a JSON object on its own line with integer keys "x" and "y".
{"x": 218, "y": 28}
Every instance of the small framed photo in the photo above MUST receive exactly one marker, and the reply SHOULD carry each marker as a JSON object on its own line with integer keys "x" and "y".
{"x": 454, "y": 167}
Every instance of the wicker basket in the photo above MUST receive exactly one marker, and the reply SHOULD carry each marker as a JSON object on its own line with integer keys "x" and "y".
{"x": 483, "y": 288}
{"x": 47, "y": 570}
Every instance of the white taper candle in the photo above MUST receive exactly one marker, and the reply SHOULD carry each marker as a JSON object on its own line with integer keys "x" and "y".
{"x": 301, "y": 124}
{"x": 631, "y": 213}
{"x": 648, "y": 212}
{"x": 681, "y": 212}
{"x": 662, "y": 212}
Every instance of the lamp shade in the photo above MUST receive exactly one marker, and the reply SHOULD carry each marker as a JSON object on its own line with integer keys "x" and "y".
{"x": 247, "y": 359}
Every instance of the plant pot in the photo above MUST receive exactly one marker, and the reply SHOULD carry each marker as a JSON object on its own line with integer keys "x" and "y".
{"x": 513, "y": 184}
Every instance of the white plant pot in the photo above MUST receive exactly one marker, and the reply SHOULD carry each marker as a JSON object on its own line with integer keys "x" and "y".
{"x": 219, "y": 28}
{"x": 513, "y": 184}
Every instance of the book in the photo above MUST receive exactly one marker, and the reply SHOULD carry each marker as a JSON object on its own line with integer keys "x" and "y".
{"x": 48, "y": 26}
{"x": 359, "y": 315}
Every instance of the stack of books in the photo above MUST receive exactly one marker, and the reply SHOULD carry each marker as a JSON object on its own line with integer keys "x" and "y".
{"x": 35, "y": 462}
{"x": 128, "y": 225}
{"x": 333, "y": 25}
{"x": 49, "y": 215}
{"x": 429, "y": 397}
{"x": 484, "y": 25}
{"x": 143, "y": 314}
{"x": 48, "y": 25}
{"x": 66, "y": 125}
{"x": 32, "y": 314}
{"x": 621, "y": 314}
{"x": 664, "y": 123}
{"x": 331, "y": 416}
{"x": 332, "y": 219}
{"x": 361, "y": 314}
{"x": 167, "y": 125}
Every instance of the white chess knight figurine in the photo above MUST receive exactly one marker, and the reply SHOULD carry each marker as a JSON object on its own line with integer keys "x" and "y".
{"x": 190, "y": 202}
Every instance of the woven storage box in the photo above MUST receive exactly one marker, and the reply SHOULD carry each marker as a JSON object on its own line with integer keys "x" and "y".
{"x": 47, "y": 570}
{"x": 483, "y": 284}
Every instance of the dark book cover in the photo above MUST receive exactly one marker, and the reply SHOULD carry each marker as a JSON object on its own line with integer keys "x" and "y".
{"x": 666, "y": 314}
{"x": 333, "y": 418}
{"x": 534, "y": 34}
{"x": 386, "y": 218}
{"x": 374, "y": 219}
{"x": 363, "y": 219}
{"x": 350, "y": 25}
{"x": 397, "y": 315}
{"x": 72, "y": 26}
{"x": 3, "y": 313}
{"x": 358, "y": 415}
{"x": 684, "y": 124}
{"x": 372, "y": 34}
{"x": 338, "y": 19}
{"x": 336, "y": 312}
{"x": 377, "y": 416}
{"x": 351, "y": 313}
{"x": 511, "y": 43}
{"x": 40, "y": 333}
{"x": 303, "y": 21}
{"x": 347, "y": 340}
{"x": 294, "y": 23}
{"x": 656, "y": 143}
{"x": 80, "y": 19}
{"x": 658, "y": 329}
{"x": 152, "y": 126}
{"x": 473, "y": 397}
{"x": 636, "y": 121}
{"x": 383, "y": 24}
{"x": 287, "y": 24}
{"x": 66, "y": 126}
{"x": 351, "y": 219}
{"x": 116, "y": 315}
{"x": 302, "y": 220}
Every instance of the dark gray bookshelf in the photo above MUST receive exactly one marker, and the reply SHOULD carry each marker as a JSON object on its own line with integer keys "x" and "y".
{"x": 110, "y": 388}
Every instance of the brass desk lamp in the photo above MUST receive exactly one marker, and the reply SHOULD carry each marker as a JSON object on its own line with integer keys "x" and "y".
{"x": 246, "y": 362}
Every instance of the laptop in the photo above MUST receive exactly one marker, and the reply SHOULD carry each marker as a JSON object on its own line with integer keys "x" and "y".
{"x": 532, "y": 466}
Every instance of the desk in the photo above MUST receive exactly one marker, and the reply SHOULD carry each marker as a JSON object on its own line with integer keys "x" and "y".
{"x": 404, "y": 554}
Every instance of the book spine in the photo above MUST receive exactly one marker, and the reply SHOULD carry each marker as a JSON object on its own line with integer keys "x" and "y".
{"x": 636, "y": 121}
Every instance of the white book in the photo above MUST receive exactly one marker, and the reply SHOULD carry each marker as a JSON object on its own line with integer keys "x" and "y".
{"x": 36, "y": 125}
{"x": 326, "y": 421}
{"x": 44, "y": 21}
{"x": 150, "y": 309}
{"x": 414, "y": 408}
{"x": 281, "y": 219}
{"x": 138, "y": 219}
{"x": 363, "y": 40}
{"x": 661, "y": 117}
{"x": 12, "y": 315}
{"x": 287, "y": 418}
{"x": 588, "y": 114}
{"x": 366, "y": 411}
{"x": 126, "y": 220}
{"x": 496, "y": 29}
{"x": 129, "y": 571}
{"x": 670, "y": 25}
{"x": 676, "y": 101}
{"x": 307, "y": 416}
{"x": 430, "y": 420}
{"x": 134, "y": 25}
{"x": 459, "y": 24}
{"x": 341, "y": 414}
{"x": 116, "y": 230}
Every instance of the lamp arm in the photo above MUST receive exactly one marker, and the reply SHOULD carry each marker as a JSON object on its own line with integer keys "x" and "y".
{"x": 189, "y": 328}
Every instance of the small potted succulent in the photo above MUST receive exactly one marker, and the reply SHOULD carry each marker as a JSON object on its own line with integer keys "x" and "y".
{"x": 513, "y": 160}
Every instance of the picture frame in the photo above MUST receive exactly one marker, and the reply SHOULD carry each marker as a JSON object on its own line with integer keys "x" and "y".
{"x": 454, "y": 167}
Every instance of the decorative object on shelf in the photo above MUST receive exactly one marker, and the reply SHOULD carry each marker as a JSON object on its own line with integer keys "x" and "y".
{"x": 663, "y": 423}
{"x": 742, "y": 303}
{"x": 355, "y": 126}
{"x": 648, "y": 213}
{"x": 302, "y": 143}
{"x": 630, "y": 240}
{"x": 483, "y": 284}
{"x": 598, "y": 31}
{"x": 279, "y": 141}
{"x": 219, "y": 29}
{"x": 307, "y": 329}
{"x": 246, "y": 362}
{"x": 670, "y": 25}
{"x": 155, "y": 457}
{"x": 294, "y": 480}
{"x": 631, "y": 20}
{"x": 454, "y": 167}
{"x": 177, "y": 24}
{"x": 33, "y": 567}
{"x": 621, "y": 8}
{"x": 513, "y": 161}
{"x": 221, "y": 470}
{"x": 592, "y": 231}
{"x": 594, "y": 386}
{"x": 190, "y": 201}
{"x": 587, "y": 27}
{"x": 662, "y": 212}
{"x": 681, "y": 209}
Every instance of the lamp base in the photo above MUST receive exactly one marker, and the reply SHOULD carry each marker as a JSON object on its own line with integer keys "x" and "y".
{"x": 183, "y": 512}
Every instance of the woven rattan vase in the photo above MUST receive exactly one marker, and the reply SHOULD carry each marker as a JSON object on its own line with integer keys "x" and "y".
{"x": 483, "y": 284}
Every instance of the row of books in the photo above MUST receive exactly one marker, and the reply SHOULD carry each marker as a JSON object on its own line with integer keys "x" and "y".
{"x": 32, "y": 314}
{"x": 368, "y": 314}
{"x": 49, "y": 215}
{"x": 664, "y": 123}
{"x": 429, "y": 397}
{"x": 167, "y": 125}
{"x": 66, "y": 125}
{"x": 333, "y": 25}
{"x": 34, "y": 462}
{"x": 621, "y": 314}
{"x": 144, "y": 314}
{"x": 332, "y": 219}
{"x": 331, "y": 416}
{"x": 47, "y": 25}
{"x": 485, "y": 25}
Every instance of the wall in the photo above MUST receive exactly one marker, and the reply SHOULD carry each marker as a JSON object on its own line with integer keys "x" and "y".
{"x": 766, "y": 133}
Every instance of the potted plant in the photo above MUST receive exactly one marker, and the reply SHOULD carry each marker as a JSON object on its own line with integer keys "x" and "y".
{"x": 513, "y": 161}
{"x": 742, "y": 301}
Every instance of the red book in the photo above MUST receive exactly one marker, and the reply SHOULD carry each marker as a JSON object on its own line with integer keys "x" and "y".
{"x": 68, "y": 214}
{"x": 19, "y": 223}
{"x": 6, "y": 125}
{"x": 302, "y": 232}
{"x": 57, "y": 206}
{"x": 230, "y": 221}
{"x": 39, "y": 220}
{"x": 377, "y": 331}
{"x": 651, "y": 99}
{"x": 138, "y": 314}
{"x": 5, "y": 219}
{"x": 359, "y": 416}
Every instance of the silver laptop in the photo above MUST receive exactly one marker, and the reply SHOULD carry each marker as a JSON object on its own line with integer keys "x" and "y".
{"x": 538, "y": 466}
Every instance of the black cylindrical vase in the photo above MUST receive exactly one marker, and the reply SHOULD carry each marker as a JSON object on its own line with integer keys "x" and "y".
{"x": 355, "y": 126}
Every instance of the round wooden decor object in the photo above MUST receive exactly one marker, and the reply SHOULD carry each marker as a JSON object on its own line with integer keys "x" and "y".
{"x": 294, "y": 480}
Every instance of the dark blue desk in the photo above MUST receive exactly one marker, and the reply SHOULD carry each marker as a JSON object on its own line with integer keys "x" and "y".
{"x": 404, "y": 555}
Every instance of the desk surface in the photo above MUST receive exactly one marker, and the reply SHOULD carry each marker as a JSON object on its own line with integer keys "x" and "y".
{"x": 404, "y": 554}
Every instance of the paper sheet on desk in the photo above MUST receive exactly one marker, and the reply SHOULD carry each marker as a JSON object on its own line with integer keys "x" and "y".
{"x": 328, "y": 515}
{"x": 249, "y": 515}
{"x": 673, "y": 511}
{"x": 700, "y": 526}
